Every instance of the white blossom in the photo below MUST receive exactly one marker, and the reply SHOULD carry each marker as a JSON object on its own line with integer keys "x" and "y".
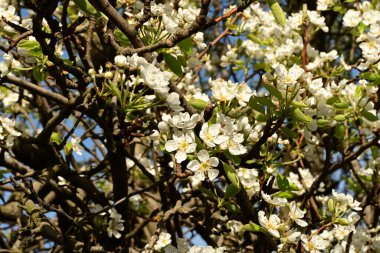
{"x": 164, "y": 239}
{"x": 205, "y": 166}
{"x": 272, "y": 224}
{"x": 183, "y": 143}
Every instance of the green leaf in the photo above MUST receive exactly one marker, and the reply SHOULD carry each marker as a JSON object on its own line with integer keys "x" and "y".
{"x": 361, "y": 27}
{"x": 332, "y": 100}
{"x": 341, "y": 105}
{"x": 370, "y": 76}
{"x": 282, "y": 182}
{"x": 234, "y": 158}
{"x": 231, "y": 207}
{"x": 359, "y": 92}
{"x": 32, "y": 46}
{"x": 293, "y": 187}
{"x": 323, "y": 122}
{"x": 207, "y": 192}
{"x": 255, "y": 39}
{"x": 256, "y": 106}
{"x": 28, "y": 44}
{"x": 253, "y": 227}
{"x": 273, "y": 91}
{"x": 299, "y": 104}
{"x": 186, "y": 46}
{"x": 277, "y": 12}
{"x": 39, "y": 74}
{"x": 173, "y": 64}
{"x": 231, "y": 174}
{"x": 87, "y": 8}
{"x": 121, "y": 38}
{"x": 290, "y": 133}
{"x": 286, "y": 194}
{"x": 339, "y": 131}
{"x": 261, "y": 117}
{"x": 198, "y": 104}
{"x": 340, "y": 117}
{"x": 369, "y": 116}
{"x": 263, "y": 101}
{"x": 231, "y": 191}
{"x": 55, "y": 138}
{"x": 298, "y": 114}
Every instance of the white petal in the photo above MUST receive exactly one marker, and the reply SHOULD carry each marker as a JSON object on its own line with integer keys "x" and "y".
{"x": 281, "y": 71}
{"x": 274, "y": 220}
{"x": 301, "y": 223}
{"x": 180, "y": 156}
{"x": 171, "y": 146}
{"x": 214, "y": 161}
{"x": 212, "y": 174}
{"x": 200, "y": 175}
{"x": 203, "y": 155}
{"x": 214, "y": 129}
{"x": 193, "y": 165}
{"x": 263, "y": 219}
{"x": 191, "y": 148}
{"x": 274, "y": 232}
{"x": 296, "y": 72}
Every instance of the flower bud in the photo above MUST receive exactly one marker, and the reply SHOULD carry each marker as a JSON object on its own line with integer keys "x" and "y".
{"x": 331, "y": 205}
{"x": 108, "y": 75}
{"x": 120, "y": 61}
{"x": 91, "y": 72}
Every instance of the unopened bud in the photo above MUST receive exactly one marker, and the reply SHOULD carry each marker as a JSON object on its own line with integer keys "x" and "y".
{"x": 108, "y": 75}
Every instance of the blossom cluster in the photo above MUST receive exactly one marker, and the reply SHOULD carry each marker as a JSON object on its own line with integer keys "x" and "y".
{"x": 274, "y": 135}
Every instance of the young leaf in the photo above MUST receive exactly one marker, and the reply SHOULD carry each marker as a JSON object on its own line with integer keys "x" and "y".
{"x": 263, "y": 101}
{"x": 198, "y": 104}
{"x": 255, "y": 106}
{"x": 55, "y": 138}
{"x": 369, "y": 116}
{"x": 278, "y": 13}
{"x": 231, "y": 175}
{"x": 186, "y": 46}
{"x": 87, "y": 8}
{"x": 339, "y": 131}
{"x": 282, "y": 182}
{"x": 340, "y": 117}
{"x": 231, "y": 191}
{"x": 207, "y": 192}
{"x": 273, "y": 91}
{"x": 341, "y": 105}
{"x": 253, "y": 227}
{"x": 173, "y": 64}
{"x": 298, "y": 114}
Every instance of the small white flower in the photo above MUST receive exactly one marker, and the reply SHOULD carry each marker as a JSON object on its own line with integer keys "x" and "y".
{"x": 174, "y": 102}
{"x": 115, "y": 225}
{"x": 223, "y": 91}
{"x": 183, "y": 143}
{"x": 297, "y": 214}
{"x": 276, "y": 201}
{"x": 352, "y": 18}
{"x": 211, "y": 135}
{"x": 271, "y": 224}
{"x": 75, "y": 145}
{"x": 164, "y": 239}
{"x": 233, "y": 144}
{"x": 120, "y": 61}
{"x": 204, "y": 166}
{"x": 315, "y": 245}
{"x": 198, "y": 39}
{"x": 184, "y": 120}
{"x": 289, "y": 77}
{"x": 155, "y": 78}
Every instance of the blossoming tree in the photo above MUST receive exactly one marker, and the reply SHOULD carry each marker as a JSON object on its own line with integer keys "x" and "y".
{"x": 189, "y": 126}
